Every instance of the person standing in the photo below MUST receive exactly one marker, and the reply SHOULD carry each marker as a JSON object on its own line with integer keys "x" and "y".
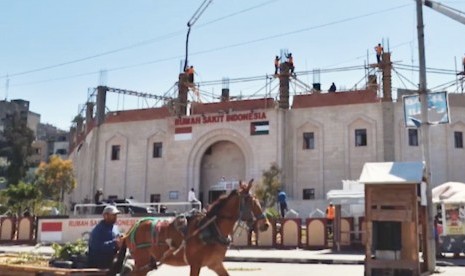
{"x": 190, "y": 74}
{"x": 282, "y": 201}
{"x": 379, "y": 51}
{"x": 97, "y": 196}
{"x": 276, "y": 65}
{"x": 104, "y": 239}
{"x": 330, "y": 213}
{"x": 463, "y": 63}
{"x": 192, "y": 198}
{"x": 332, "y": 88}
{"x": 290, "y": 60}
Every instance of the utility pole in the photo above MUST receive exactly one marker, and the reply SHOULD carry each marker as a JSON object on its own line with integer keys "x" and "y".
{"x": 423, "y": 94}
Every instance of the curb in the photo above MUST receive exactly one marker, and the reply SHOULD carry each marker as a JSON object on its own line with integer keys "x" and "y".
{"x": 293, "y": 260}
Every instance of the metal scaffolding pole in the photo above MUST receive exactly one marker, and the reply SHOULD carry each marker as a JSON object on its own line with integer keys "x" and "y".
{"x": 423, "y": 93}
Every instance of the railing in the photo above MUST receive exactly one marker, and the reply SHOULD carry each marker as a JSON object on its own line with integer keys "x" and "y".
{"x": 159, "y": 207}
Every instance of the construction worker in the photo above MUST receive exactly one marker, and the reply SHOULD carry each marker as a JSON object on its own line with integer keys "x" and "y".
{"x": 330, "y": 213}
{"x": 463, "y": 62}
{"x": 190, "y": 73}
{"x": 290, "y": 60}
{"x": 276, "y": 65}
{"x": 379, "y": 51}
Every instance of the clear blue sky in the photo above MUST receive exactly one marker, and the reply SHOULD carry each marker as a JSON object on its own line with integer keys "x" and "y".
{"x": 232, "y": 39}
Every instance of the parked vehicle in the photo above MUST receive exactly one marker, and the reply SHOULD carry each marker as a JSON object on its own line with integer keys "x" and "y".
{"x": 127, "y": 206}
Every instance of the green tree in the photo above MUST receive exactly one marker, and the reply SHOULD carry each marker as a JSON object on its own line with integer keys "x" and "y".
{"x": 267, "y": 189}
{"x": 56, "y": 178}
{"x": 20, "y": 196}
{"x": 16, "y": 147}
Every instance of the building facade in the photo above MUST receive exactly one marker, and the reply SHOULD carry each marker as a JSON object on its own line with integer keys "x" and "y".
{"x": 318, "y": 141}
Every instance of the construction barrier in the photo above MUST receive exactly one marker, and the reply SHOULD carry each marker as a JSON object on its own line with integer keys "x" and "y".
{"x": 291, "y": 233}
{"x": 282, "y": 233}
{"x": 317, "y": 236}
{"x": 267, "y": 239}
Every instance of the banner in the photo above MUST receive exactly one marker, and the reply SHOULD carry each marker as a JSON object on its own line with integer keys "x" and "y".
{"x": 438, "y": 109}
{"x": 455, "y": 219}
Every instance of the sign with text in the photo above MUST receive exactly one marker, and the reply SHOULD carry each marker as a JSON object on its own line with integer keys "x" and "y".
{"x": 220, "y": 118}
{"x": 438, "y": 109}
{"x": 62, "y": 230}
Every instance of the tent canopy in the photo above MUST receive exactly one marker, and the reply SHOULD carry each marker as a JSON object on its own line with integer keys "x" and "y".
{"x": 449, "y": 192}
{"x": 392, "y": 173}
{"x": 340, "y": 197}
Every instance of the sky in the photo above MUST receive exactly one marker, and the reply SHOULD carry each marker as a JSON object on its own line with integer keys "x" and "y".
{"x": 53, "y": 53}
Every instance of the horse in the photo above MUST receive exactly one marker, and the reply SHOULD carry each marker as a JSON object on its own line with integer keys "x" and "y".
{"x": 196, "y": 241}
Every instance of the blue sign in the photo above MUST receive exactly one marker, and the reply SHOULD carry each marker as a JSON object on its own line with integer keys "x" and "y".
{"x": 438, "y": 109}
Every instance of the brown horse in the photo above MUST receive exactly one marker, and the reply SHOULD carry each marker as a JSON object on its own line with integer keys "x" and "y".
{"x": 199, "y": 240}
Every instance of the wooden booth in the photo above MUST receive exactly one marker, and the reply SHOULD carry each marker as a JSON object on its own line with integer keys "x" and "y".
{"x": 395, "y": 216}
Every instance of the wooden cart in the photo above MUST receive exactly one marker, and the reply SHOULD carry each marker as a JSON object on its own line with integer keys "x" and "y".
{"x": 31, "y": 270}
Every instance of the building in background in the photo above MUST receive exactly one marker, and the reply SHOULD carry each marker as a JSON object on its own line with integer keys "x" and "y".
{"x": 319, "y": 140}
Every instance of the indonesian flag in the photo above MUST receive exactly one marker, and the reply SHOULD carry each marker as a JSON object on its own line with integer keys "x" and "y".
{"x": 51, "y": 231}
{"x": 182, "y": 133}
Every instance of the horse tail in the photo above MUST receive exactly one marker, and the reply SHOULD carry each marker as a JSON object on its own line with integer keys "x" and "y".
{"x": 118, "y": 264}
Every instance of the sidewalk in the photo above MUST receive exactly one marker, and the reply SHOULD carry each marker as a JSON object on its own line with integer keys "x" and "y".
{"x": 325, "y": 256}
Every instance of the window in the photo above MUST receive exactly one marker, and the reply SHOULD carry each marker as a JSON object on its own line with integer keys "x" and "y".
{"x": 360, "y": 137}
{"x": 155, "y": 198}
{"x": 309, "y": 140}
{"x": 115, "y": 152}
{"x": 413, "y": 137}
{"x": 309, "y": 193}
{"x": 157, "y": 150}
{"x": 173, "y": 195}
{"x": 458, "y": 139}
{"x": 37, "y": 150}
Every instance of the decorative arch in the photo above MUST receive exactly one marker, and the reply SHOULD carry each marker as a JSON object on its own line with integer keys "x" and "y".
{"x": 201, "y": 145}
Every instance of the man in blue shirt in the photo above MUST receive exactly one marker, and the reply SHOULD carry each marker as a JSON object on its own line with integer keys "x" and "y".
{"x": 103, "y": 241}
{"x": 282, "y": 202}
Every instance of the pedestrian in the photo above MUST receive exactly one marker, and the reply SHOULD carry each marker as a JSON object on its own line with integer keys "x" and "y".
{"x": 330, "y": 213}
{"x": 379, "y": 51}
{"x": 276, "y": 65}
{"x": 190, "y": 74}
{"x": 104, "y": 240}
{"x": 332, "y": 88}
{"x": 290, "y": 60}
{"x": 192, "y": 198}
{"x": 97, "y": 196}
{"x": 282, "y": 201}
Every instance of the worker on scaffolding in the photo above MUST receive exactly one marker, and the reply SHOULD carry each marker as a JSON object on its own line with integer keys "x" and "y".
{"x": 379, "y": 51}
{"x": 190, "y": 73}
{"x": 290, "y": 60}
{"x": 463, "y": 63}
{"x": 276, "y": 65}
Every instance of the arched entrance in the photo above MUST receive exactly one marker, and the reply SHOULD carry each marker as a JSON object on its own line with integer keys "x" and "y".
{"x": 222, "y": 160}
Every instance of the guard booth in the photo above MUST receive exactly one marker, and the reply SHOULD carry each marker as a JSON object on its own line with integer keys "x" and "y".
{"x": 395, "y": 215}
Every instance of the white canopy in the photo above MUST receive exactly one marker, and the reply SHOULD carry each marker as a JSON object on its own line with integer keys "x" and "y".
{"x": 340, "y": 197}
{"x": 392, "y": 173}
{"x": 449, "y": 192}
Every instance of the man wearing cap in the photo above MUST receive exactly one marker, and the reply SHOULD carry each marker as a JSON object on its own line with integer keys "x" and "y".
{"x": 103, "y": 241}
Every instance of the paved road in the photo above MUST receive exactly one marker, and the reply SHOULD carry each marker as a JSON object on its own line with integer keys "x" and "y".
{"x": 272, "y": 269}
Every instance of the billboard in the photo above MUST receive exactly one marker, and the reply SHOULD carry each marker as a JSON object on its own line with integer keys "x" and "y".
{"x": 438, "y": 109}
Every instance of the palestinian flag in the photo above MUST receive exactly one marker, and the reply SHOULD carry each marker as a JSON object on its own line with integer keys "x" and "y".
{"x": 259, "y": 128}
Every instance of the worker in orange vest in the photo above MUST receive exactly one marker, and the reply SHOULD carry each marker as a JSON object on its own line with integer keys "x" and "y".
{"x": 276, "y": 65}
{"x": 330, "y": 213}
{"x": 190, "y": 74}
{"x": 379, "y": 51}
{"x": 290, "y": 60}
{"x": 463, "y": 62}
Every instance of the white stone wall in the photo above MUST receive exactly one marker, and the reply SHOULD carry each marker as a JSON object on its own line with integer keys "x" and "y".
{"x": 334, "y": 158}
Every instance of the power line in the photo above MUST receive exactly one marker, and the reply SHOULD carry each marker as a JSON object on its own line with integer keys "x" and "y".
{"x": 135, "y": 45}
